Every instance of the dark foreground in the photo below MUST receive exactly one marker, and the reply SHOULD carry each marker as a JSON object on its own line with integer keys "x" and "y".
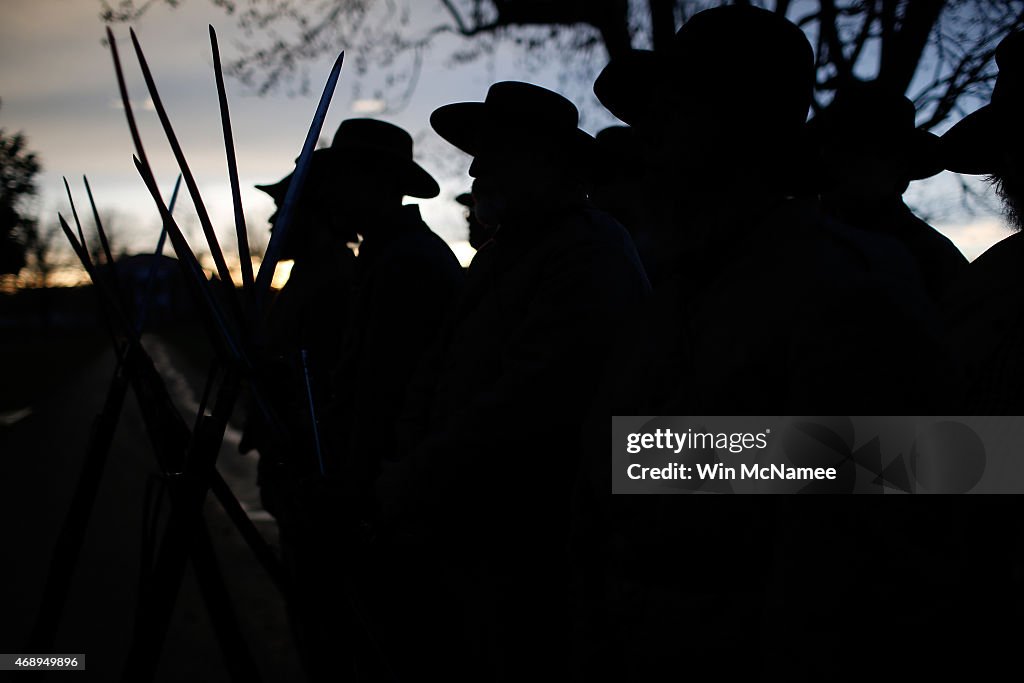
{"x": 62, "y": 378}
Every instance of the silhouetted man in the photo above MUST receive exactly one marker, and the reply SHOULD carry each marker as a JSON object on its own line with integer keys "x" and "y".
{"x": 304, "y": 332}
{"x": 495, "y": 430}
{"x": 987, "y": 328}
{"x": 985, "y": 311}
{"x": 407, "y": 279}
{"x": 731, "y": 133}
{"x": 769, "y": 310}
{"x": 309, "y": 314}
{"x": 871, "y": 150}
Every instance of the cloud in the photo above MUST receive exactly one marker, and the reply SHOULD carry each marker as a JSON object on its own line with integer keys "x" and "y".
{"x": 368, "y": 106}
{"x": 144, "y": 105}
{"x": 976, "y": 237}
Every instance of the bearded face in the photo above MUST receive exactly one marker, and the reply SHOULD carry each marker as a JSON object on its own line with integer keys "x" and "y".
{"x": 1008, "y": 181}
{"x": 513, "y": 177}
{"x": 1010, "y": 189}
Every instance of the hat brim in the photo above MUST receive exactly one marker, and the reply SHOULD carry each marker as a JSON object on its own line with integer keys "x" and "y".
{"x": 972, "y": 146}
{"x": 627, "y": 84}
{"x": 416, "y": 182}
{"x": 466, "y": 124}
{"x": 925, "y": 154}
{"x": 320, "y": 166}
{"x": 920, "y": 147}
{"x": 277, "y": 190}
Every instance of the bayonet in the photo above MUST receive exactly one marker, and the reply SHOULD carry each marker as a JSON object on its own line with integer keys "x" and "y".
{"x": 199, "y": 473}
{"x": 69, "y": 541}
{"x": 244, "y": 258}
{"x": 74, "y": 214}
{"x": 179, "y": 155}
{"x": 193, "y": 271}
{"x": 195, "y": 274}
{"x": 104, "y": 243}
{"x": 312, "y": 413}
{"x": 266, "y": 272}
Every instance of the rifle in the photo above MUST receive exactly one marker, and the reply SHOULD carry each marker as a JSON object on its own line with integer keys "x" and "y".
{"x": 169, "y": 449}
{"x": 69, "y": 540}
{"x": 204, "y": 448}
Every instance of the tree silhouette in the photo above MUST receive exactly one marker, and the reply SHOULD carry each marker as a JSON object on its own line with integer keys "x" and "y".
{"x": 44, "y": 251}
{"x": 18, "y": 170}
{"x": 939, "y": 52}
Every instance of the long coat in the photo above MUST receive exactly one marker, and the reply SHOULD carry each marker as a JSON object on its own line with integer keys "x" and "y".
{"x": 986, "y": 327}
{"x": 938, "y": 260}
{"x": 495, "y": 419}
{"x": 783, "y": 313}
{"x": 493, "y": 434}
{"x": 407, "y": 280}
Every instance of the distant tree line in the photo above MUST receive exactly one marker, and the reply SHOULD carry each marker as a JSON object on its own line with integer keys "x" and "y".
{"x": 19, "y": 228}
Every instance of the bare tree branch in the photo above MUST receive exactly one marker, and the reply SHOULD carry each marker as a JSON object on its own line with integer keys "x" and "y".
{"x": 663, "y": 23}
{"x": 902, "y": 52}
{"x": 830, "y": 45}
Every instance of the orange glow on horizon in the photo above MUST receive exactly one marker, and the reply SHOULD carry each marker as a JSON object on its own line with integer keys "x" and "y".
{"x": 75, "y": 276}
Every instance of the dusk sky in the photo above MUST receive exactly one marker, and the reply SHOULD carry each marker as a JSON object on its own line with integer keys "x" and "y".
{"x": 57, "y": 86}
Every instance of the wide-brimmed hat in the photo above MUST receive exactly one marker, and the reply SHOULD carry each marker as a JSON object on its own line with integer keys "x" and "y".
{"x": 751, "y": 65}
{"x": 367, "y": 142}
{"x": 382, "y": 142}
{"x": 873, "y": 112}
{"x": 975, "y": 145}
{"x": 513, "y": 109}
{"x": 633, "y": 86}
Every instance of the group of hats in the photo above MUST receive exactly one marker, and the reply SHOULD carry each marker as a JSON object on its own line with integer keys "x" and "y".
{"x": 736, "y": 57}
{"x": 764, "y": 50}
{"x": 523, "y": 111}
{"x": 744, "y": 57}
